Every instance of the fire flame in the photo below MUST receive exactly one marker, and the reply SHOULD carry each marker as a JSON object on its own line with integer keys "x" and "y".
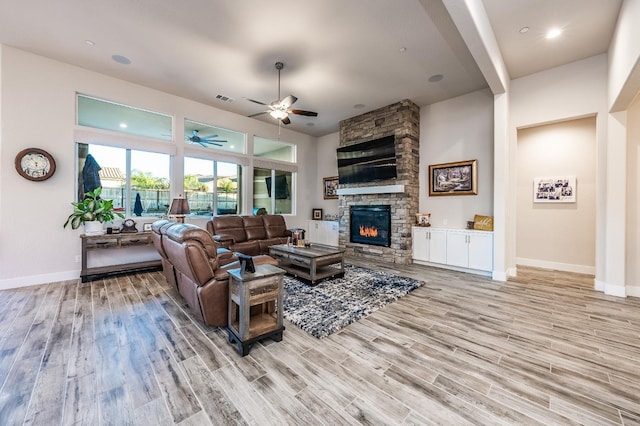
{"x": 366, "y": 231}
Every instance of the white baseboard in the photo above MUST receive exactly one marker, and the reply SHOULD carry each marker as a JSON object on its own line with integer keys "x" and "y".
{"x": 454, "y": 268}
{"x": 557, "y": 266}
{"x": 499, "y": 276}
{"x": 615, "y": 290}
{"x": 38, "y": 279}
{"x": 612, "y": 289}
{"x": 633, "y": 290}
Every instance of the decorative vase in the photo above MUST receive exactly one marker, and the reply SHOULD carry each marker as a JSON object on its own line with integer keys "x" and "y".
{"x": 93, "y": 227}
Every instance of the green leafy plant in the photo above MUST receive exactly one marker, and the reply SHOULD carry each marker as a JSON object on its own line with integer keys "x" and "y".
{"x": 92, "y": 208}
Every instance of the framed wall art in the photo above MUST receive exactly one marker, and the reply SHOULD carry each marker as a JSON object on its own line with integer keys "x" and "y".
{"x": 316, "y": 214}
{"x": 460, "y": 178}
{"x": 330, "y": 185}
{"x": 558, "y": 189}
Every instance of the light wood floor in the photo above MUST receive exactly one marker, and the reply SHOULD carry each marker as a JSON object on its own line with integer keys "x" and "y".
{"x": 542, "y": 349}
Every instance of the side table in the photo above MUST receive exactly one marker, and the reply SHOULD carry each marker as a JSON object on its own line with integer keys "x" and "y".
{"x": 255, "y": 306}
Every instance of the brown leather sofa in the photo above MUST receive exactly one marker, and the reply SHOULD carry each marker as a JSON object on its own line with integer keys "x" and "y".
{"x": 250, "y": 235}
{"x": 201, "y": 278}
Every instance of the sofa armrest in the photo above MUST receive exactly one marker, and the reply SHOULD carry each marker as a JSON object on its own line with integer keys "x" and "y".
{"x": 224, "y": 241}
{"x": 225, "y": 256}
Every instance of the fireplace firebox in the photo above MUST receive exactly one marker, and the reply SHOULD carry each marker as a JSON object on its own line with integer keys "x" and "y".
{"x": 371, "y": 225}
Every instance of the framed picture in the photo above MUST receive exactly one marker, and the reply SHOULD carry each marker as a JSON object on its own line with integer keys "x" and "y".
{"x": 460, "y": 178}
{"x": 146, "y": 227}
{"x": 316, "y": 214}
{"x": 330, "y": 185}
{"x": 556, "y": 189}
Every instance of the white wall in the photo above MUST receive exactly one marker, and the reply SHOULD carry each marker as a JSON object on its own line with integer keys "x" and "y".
{"x": 576, "y": 90}
{"x": 624, "y": 54}
{"x": 327, "y": 167}
{"x": 38, "y": 110}
{"x": 557, "y": 236}
{"x": 633, "y": 199}
{"x": 457, "y": 129}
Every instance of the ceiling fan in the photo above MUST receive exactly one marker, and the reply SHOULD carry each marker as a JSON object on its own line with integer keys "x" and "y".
{"x": 204, "y": 140}
{"x": 281, "y": 108}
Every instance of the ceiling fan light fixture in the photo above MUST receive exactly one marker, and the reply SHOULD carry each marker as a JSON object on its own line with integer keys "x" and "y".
{"x": 278, "y": 114}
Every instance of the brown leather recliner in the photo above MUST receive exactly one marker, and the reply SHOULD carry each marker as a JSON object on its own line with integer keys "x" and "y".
{"x": 158, "y": 229}
{"x": 250, "y": 235}
{"x": 201, "y": 279}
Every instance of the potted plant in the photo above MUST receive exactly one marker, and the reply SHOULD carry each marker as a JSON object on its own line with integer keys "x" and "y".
{"x": 92, "y": 212}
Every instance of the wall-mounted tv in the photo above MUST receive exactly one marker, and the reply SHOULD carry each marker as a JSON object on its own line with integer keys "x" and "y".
{"x": 282, "y": 188}
{"x": 367, "y": 161}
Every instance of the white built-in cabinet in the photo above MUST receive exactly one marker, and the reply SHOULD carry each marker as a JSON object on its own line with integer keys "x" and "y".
{"x": 323, "y": 232}
{"x": 456, "y": 248}
{"x": 429, "y": 244}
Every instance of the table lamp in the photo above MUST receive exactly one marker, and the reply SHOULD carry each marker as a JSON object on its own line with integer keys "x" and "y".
{"x": 179, "y": 208}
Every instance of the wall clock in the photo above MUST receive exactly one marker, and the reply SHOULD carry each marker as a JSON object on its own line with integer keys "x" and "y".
{"x": 35, "y": 164}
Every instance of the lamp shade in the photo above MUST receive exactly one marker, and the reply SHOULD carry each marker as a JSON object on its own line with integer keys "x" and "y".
{"x": 179, "y": 206}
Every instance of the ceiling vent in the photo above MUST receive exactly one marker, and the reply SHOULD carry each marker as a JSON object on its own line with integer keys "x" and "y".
{"x": 224, "y": 98}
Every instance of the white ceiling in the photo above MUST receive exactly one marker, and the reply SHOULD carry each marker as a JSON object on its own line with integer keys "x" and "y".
{"x": 337, "y": 53}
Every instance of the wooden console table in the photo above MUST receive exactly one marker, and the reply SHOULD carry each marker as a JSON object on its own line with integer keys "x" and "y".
{"x": 255, "y": 306}
{"x": 116, "y": 253}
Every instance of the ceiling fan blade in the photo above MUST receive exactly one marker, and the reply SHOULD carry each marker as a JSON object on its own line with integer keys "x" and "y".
{"x": 257, "y": 102}
{"x": 288, "y": 101}
{"x": 258, "y": 113}
{"x": 214, "y": 140}
{"x": 303, "y": 112}
{"x": 286, "y": 120}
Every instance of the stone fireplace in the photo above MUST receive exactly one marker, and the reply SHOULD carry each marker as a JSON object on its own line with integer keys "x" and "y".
{"x": 370, "y": 225}
{"x": 400, "y": 195}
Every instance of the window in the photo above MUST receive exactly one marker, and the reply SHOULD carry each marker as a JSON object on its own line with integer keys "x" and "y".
{"x": 272, "y": 190}
{"x": 136, "y": 181}
{"x": 212, "y": 186}
{"x": 274, "y": 150}
{"x": 211, "y": 137}
{"x": 106, "y": 115}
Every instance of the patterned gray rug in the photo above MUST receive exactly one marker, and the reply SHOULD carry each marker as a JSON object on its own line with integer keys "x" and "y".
{"x": 335, "y": 303}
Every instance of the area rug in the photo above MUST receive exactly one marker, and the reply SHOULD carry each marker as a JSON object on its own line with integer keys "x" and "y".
{"x": 335, "y": 303}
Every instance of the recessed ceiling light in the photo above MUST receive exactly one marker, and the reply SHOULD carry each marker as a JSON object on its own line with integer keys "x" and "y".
{"x": 435, "y": 78}
{"x": 123, "y": 125}
{"x": 121, "y": 59}
{"x": 524, "y": 30}
{"x": 90, "y": 42}
{"x": 403, "y": 49}
{"x": 232, "y": 146}
{"x": 358, "y": 106}
{"x": 553, "y": 33}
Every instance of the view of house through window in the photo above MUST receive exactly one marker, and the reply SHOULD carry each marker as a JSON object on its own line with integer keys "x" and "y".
{"x": 272, "y": 190}
{"x": 140, "y": 189}
{"x": 212, "y": 186}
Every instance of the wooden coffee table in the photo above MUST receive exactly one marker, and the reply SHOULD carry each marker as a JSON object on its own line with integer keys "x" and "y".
{"x": 312, "y": 263}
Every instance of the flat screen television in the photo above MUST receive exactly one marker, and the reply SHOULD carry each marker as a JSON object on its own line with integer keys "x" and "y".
{"x": 282, "y": 188}
{"x": 367, "y": 161}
